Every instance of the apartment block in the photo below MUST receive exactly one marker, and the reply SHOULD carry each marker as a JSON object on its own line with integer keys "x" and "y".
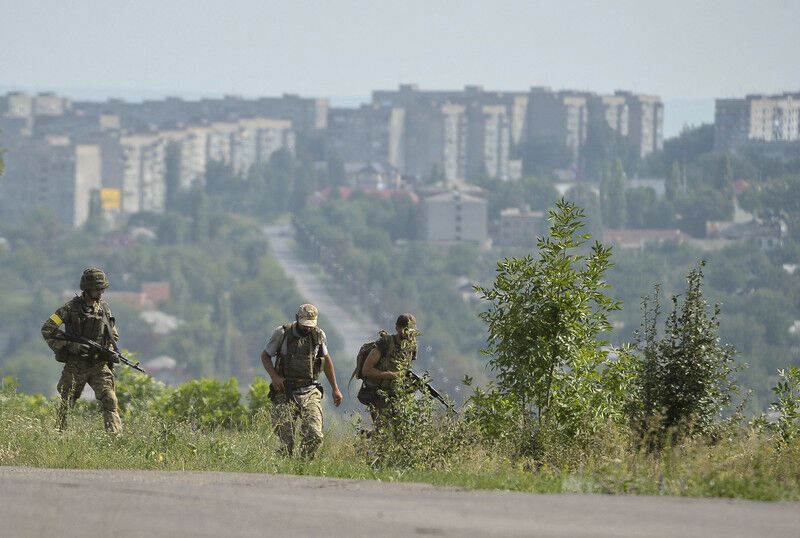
{"x": 611, "y": 109}
{"x": 520, "y": 226}
{"x": 495, "y": 125}
{"x": 348, "y": 134}
{"x": 455, "y": 216}
{"x": 645, "y": 121}
{"x": 52, "y": 174}
{"x": 436, "y": 141}
{"x": 17, "y": 105}
{"x": 489, "y": 142}
{"x": 756, "y": 119}
{"x": 561, "y": 116}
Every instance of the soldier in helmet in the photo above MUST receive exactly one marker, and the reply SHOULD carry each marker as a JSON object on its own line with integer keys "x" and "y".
{"x": 88, "y": 316}
{"x": 301, "y": 352}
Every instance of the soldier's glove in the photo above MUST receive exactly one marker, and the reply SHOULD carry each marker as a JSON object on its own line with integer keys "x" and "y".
{"x": 81, "y": 350}
{"x": 113, "y": 358}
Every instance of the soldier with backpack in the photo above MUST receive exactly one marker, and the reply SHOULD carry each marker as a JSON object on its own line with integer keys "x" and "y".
{"x": 301, "y": 352}
{"x": 384, "y": 365}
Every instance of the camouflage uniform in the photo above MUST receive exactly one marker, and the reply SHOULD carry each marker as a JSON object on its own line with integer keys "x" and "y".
{"x": 396, "y": 356}
{"x": 91, "y": 321}
{"x": 299, "y": 361}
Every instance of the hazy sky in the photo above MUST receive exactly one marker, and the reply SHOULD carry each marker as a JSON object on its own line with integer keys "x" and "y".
{"x": 677, "y": 49}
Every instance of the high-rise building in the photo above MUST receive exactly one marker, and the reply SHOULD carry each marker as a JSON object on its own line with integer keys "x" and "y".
{"x": 611, "y": 109}
{"x": 143, "y": 182}
{"x": 436, "y": 141}
{"x": 645, "y": 121}
{"x": 489, "y": 142}
{"x": 368, "y": 134}
{"x": 494, "y": 127}
{"x": 52, "y": 174}
{"x": 756, "y": 119}
{"x": 557, "y": 116}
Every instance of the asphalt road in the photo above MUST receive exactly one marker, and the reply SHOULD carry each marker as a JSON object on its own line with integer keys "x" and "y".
{"x": 353, "y": 326}
{"x": 54, "y": 502}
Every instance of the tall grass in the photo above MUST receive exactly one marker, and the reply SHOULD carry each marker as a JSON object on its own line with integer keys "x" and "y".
{"x": 745, "y": 463}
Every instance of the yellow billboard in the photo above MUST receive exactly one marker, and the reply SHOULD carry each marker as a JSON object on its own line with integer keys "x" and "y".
{"x": 110, "y": 198}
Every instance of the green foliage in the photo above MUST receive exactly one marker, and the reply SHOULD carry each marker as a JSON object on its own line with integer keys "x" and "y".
{"x": 788, "y": 405}
{"x": 414, "y": 433}
{"x": 534, "y": 192}
{"x": 445, "y": 450}
{"x": 545, "y": 322}
{"x": 685, "y": 378}
{"x": 776, "y": 199}
{"x": 496, "y": 413}
{"x": 605, "y": 146}
{"x": 258, "y": 397}
{"x": 612, "y": 197}
{"x": 545, "y": 154}
{"x": 137, "y": 392}
{"x": 205, "y": 404}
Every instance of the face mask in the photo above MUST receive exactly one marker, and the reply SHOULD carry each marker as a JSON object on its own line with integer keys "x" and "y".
{"x": 95, "y": 295}
{"x": 409, "y": 332}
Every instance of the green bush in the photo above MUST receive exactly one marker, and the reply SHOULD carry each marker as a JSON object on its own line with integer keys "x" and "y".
{"x": 788, "y": 405}
{"x": 136, "y": 391}
{"x": 258, "y": 397}
{"x": 685, "y": 377}
{"x": 545, "y": 320}
{"x": 205, "y": 404}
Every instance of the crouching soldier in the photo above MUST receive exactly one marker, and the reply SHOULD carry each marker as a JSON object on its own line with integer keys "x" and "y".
{"x": 87, "y": 316}
{"x": 301, "y": 352}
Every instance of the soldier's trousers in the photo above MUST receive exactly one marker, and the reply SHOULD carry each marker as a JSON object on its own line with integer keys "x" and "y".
{"x": 99, "y": 376}
{"x": 305, "y": 408}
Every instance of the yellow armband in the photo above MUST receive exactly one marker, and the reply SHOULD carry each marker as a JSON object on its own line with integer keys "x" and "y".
{"x": 57, "y": 320}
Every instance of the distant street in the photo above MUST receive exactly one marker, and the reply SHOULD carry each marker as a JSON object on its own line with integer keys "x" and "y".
{"x": 55, "y": 502}
{"x": 353, "y": 326}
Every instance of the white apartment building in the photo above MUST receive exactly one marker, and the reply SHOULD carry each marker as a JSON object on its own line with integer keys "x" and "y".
{"x": 455, "y": 216}
{"x": 756, "y": 119}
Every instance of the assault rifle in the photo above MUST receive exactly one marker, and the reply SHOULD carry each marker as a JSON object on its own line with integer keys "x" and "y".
{"x": 113, "y": 354}
{"x": 431, "y": 390}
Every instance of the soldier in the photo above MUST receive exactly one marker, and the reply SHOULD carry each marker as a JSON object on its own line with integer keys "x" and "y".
{"x": 88, "y": 316}
{"x": 301, "y": 351}
{"x": 388, "y": 364}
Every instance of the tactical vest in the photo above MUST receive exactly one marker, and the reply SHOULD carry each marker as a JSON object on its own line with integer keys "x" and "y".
{"x": 300, "y": 360}
{"x": 396, "y": 356}
{"x": 89, "y": 322}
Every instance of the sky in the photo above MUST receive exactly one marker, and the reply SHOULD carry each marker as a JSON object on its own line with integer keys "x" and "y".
{"x": 688, "y": 52}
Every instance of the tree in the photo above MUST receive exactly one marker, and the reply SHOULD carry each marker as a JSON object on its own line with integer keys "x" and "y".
{"x": 603, "y": 146}
{"x": 777, "y": 199}
{"x": 685, "y": 378}
{"x": 336, "y": 173}
{"x": 172, "y": 172}
{"x": 544, "y": 154}
{"x": 586, "y": 197}
{"x": 674, "y": 185}
{"x": 545, "y": 322}
{"x": 612, "y": 197}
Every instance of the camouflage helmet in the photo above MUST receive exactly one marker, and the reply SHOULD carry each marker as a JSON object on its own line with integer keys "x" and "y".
{"x": 93, "y": 279}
